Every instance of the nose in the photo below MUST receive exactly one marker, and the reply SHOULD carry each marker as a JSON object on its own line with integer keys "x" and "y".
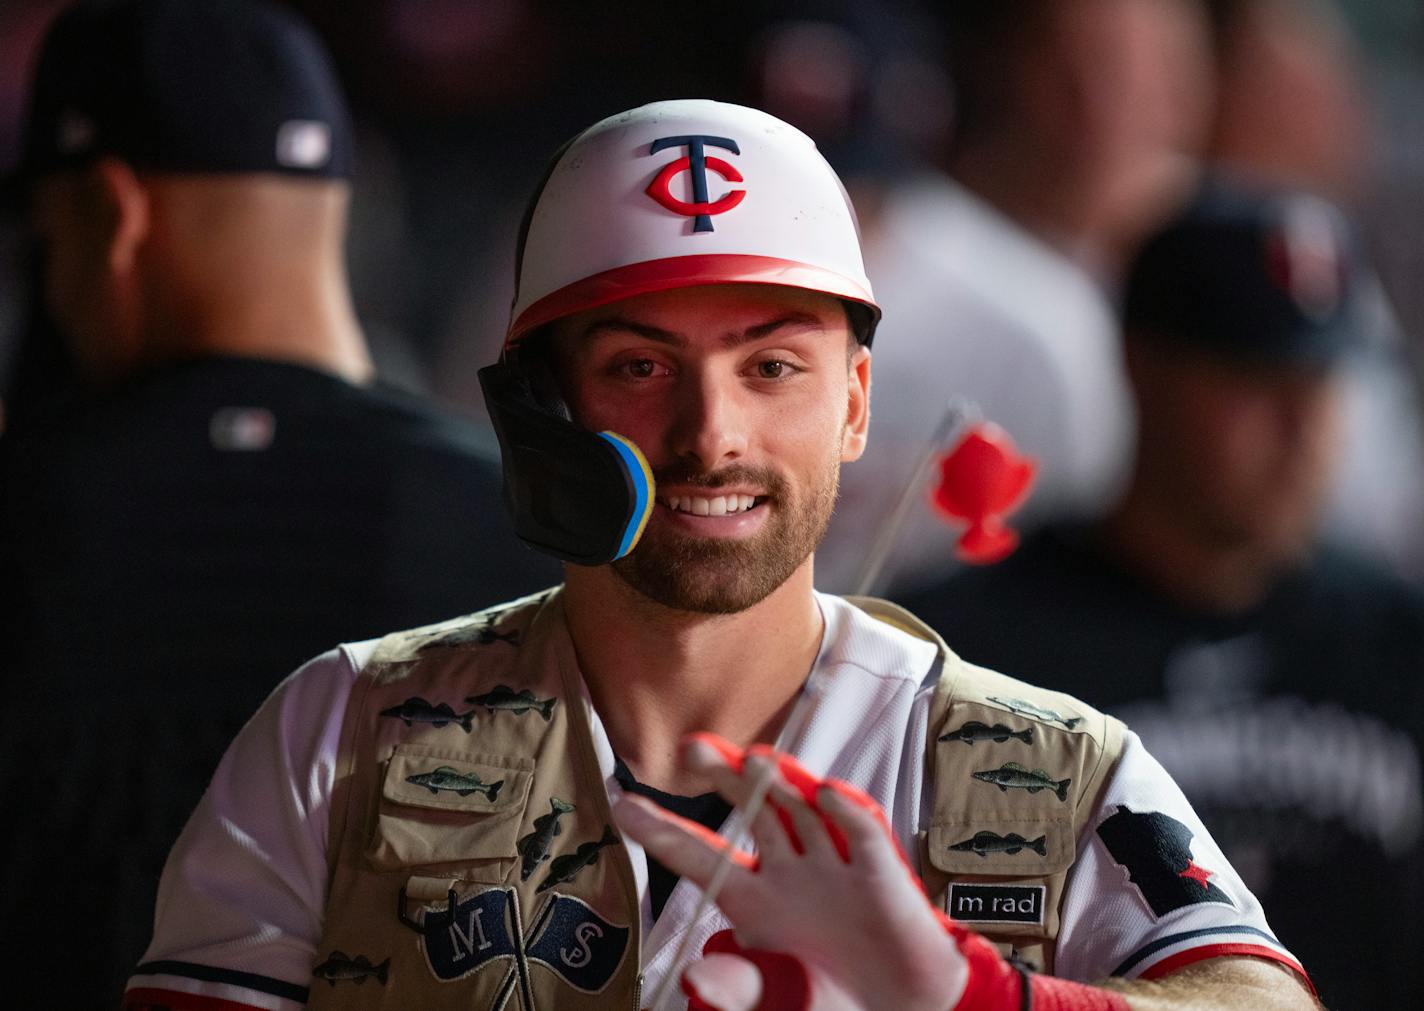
{"x": 710, "y": 425}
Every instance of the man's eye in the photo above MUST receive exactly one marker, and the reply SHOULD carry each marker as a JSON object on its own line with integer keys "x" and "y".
{"x": 771, "y": 369}
{"x": 640, "y": 368}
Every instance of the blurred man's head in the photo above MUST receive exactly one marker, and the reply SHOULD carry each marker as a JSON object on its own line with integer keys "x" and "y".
{"x": 1103, "y": 101}
{"x": 1290, "y": 107}
{"x": 177, "y": 151}
{"x": 1237, "y": 316}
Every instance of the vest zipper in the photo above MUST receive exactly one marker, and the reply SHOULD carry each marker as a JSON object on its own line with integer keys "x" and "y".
{"x": 638, "y": 993}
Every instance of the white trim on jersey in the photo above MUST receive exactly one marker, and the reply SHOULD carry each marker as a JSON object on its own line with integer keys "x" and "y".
{"x": 244, "y": 888}
{"x": 243, "y": 989}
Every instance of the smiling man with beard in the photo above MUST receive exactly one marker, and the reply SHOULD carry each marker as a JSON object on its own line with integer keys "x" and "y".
{"x": 428, "y": 820}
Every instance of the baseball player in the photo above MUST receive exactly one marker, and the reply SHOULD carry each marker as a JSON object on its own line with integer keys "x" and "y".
{"x": 427, "y": 820}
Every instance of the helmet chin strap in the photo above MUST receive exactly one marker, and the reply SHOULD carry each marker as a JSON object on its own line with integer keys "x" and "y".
{"x": 581, "y": 496}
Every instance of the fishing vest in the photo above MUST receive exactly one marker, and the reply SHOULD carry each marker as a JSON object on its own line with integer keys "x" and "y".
{"x": 1015, "y": 772}
{"x": 473, "y": 861}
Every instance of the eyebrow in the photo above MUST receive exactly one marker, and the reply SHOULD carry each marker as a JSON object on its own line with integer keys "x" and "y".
{"x": 752, "y": 334}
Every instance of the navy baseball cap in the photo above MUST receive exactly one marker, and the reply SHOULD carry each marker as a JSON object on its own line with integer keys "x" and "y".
{"x": 1263, "y": 276}
{"x": 222, "y": 86}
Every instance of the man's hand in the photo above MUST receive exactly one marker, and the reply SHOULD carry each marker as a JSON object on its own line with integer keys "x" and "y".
{"x": 833, "y": 919}
{"x": 828, "y": 884}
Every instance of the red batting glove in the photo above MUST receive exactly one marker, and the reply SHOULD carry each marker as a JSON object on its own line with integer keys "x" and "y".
{"x": 835, "y": 917}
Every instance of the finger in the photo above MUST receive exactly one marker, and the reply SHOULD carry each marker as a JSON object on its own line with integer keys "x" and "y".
{"x": 797, "y": 775}
{"x": 706, "y": 749}
{"x": 683, "y": 846}
{"x": 775, "y": 836}
{"x": 861, "y": 821}
{"x": 736, "y": 784}
{"x": 722, "y": 983}
{"x": 771, "y": 827}
{"x": 808, "y": 786}
{"x": 808, "y": 828}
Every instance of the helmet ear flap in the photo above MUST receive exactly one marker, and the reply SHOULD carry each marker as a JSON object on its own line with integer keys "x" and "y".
{"x": 580, "y": 496}
{"x": 534, "y": 369}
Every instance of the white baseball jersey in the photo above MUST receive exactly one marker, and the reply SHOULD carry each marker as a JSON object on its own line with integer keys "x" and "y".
{"x": 241, "y": 902}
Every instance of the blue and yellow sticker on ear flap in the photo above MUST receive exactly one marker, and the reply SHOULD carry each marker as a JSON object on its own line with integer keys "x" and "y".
{"x": 640, "y": 477}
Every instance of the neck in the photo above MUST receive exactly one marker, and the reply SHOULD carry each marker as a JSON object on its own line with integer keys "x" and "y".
{"x": 1214, "y": 575}
{"x": 665, "y": 673}
{"x": 251, "y": 265}
{"x": 287, "y": 312}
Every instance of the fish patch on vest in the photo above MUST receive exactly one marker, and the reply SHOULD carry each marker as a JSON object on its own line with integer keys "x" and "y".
{"x": 974, "y": 731}
{"x": 517, "y": 702}
{"x": 417, "y": 710}
{"x": 1037, "y": 712}
{"x": 1157, "y": 851}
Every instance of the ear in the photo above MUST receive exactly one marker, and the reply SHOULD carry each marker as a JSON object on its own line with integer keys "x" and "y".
{"x": 125, "y": 210}
{"x": 857, "y": 406}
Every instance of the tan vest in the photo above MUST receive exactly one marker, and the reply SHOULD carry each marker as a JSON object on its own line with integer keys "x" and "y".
{"x": 1015, "y": 773}
{"x": 473, "y": 863}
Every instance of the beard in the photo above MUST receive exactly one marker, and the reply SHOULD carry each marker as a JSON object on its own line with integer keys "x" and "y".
{"x": 717, "y": 576}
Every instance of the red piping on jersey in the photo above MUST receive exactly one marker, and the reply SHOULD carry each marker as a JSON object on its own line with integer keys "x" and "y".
{"x": 1181, "y": 959}
{"x": 683, "y": 272}
{"x": 142, "y": 998}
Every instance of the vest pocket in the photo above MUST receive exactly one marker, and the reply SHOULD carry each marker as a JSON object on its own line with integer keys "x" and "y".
{"x": 452, "y": 810}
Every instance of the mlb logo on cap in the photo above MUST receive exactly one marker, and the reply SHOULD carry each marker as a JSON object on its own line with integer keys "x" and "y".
{"x": 1305, "y": 257}
{"x": 303, "y": 143}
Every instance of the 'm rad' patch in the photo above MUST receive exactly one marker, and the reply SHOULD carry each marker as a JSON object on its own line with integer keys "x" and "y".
{"x": 996, "y": 903}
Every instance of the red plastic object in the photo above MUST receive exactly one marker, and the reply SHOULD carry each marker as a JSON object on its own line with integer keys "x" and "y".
{"x": 982, "y": 480}
{"x": 786, "y": 985}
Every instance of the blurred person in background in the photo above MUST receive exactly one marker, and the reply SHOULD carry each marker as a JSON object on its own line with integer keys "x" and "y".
{"x": 1292, "y": 110}
{"x": 232, "y": 488}
{"x": 22, "y": 24}
{"x": 1277, "y": 679}
{"x": 1073, "y": 123}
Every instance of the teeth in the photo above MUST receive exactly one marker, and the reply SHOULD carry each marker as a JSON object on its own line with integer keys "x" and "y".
{"x": 722, "y": 505}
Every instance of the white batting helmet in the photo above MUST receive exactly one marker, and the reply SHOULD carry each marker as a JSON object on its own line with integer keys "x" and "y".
{"x": 685, "y": 193}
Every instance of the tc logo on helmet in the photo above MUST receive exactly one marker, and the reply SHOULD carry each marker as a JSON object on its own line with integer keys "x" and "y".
{"x": 696, "y": 161}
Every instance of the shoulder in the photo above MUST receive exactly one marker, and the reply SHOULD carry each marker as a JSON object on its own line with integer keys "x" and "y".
{"x": 992, "y": 254}
{"x": 876, "y": 637}
{"x": 508, "y": 623}
{"x": 884, "y": 636}
{"x": 1354, "y": 587}
{"x": 1151, "y": 891}
{"x": 399, "y": 415}
{"x": 240, "y": 901}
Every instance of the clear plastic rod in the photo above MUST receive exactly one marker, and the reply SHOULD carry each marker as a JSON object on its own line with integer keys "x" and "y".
{"x": 959, "y": 413}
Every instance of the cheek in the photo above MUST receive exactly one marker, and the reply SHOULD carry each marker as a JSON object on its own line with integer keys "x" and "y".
{"x": 807, "y": 438}
{"x": 1247, "y": 442}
